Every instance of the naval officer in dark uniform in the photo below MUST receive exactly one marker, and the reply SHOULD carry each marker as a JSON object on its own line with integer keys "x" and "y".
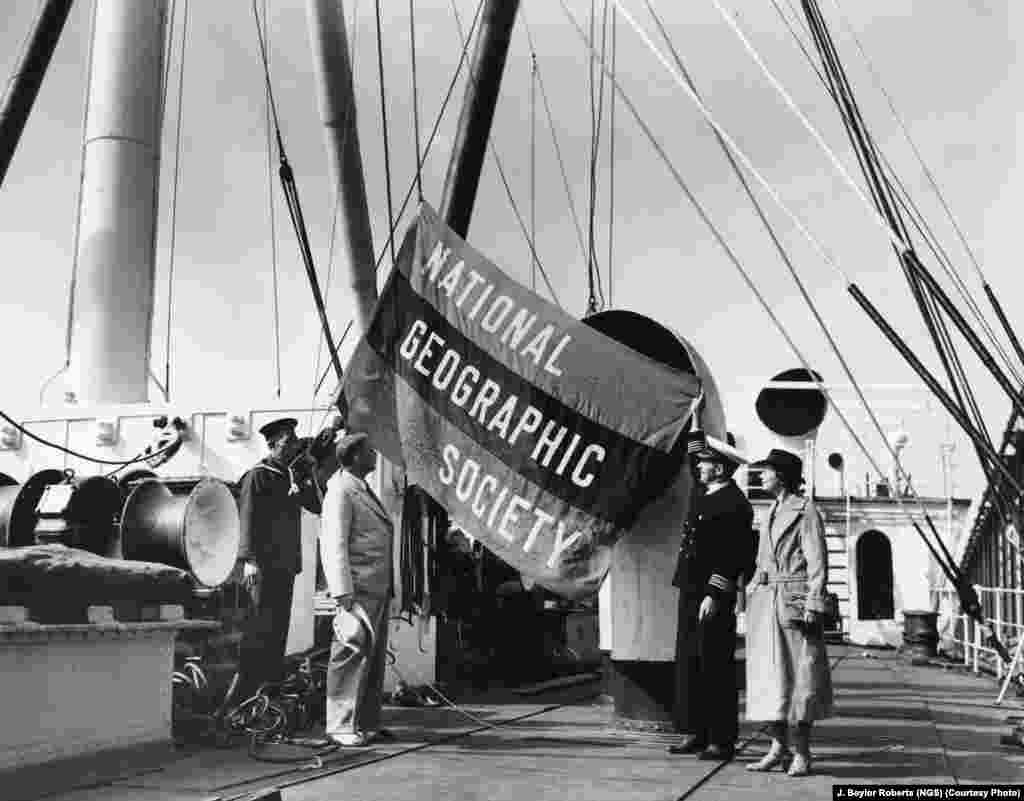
{"x": 272, "y": 495}
{"x": 717, "y": 547}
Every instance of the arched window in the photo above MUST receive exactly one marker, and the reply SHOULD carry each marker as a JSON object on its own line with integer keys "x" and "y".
{"x": 874, "y": 577}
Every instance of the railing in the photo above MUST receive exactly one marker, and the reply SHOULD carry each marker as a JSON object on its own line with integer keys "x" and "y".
{"x": 1004, "y": 612}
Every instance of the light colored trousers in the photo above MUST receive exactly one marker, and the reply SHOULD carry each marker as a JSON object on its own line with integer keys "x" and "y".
{"x": 355, "y": 679}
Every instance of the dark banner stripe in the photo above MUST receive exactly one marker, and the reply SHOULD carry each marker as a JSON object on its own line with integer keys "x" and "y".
{"x": 631, "y": 474}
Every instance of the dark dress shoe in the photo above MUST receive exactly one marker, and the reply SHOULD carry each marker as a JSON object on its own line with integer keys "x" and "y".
{"x": 691, "y": 745}
{"x": 718, "y": 753}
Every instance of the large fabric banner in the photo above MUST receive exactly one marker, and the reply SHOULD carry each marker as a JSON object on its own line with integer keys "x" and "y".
{"x": 540, "y": 436}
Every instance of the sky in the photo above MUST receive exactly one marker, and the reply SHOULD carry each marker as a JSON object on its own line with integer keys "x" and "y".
{"x": 950, "y": 68}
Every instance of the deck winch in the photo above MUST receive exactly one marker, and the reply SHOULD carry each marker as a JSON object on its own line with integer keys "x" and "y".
{"x": 193, "y": 525}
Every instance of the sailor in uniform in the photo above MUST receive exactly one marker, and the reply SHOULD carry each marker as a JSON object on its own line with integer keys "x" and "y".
{"x": 717, "y": 548}
{"x": 269, "y": 505}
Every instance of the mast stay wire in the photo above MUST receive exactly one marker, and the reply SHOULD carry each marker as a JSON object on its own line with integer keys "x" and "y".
{"x": 174, "y": 199}
{"x": 925, "y": 290}
{"x": 787, "y": 261}
{"x": 907, "y": 204}
{"x": 426, "y": 151}
{"x": 291, "y": 193}
{"x": 533, "y": 165}
{"x": 595, "y": 296}
{"x": 384, "y": 129}
{"x": 504, "y": 180}
{"x": 611, "y": 162}
{"x": 968, "y": 597}
{"x": 73, "y": 283}
{"x": 816, "y": 244}
{"x": 903, "y": 248}
{"x": 415, "y": 102}
{"x": 900, "y": 245}
{"x": 929, "y": 175}
{"x": 271, "y": 110}
{"x": 554, "y": 139}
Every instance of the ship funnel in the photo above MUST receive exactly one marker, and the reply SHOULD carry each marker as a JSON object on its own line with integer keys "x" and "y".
{"x": 792, "y": 407}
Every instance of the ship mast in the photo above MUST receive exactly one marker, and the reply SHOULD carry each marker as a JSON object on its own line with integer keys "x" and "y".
{"x": 333, "y": 68}
{"x": 474, "y": 131}
{"x": 116, "y": 242}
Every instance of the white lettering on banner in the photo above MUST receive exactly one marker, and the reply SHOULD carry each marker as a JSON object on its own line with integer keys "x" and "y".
{"x": 591, "y": 450}
{"x": 497, "y": 413}
{"x": 448, "y": 279}
{"x": 426, "y": 353}
{"x": 411, "y": 343}
{"x": 437, "y": 260}
{"x": 474, "y": 279}
{"x": 441, "y": 380}
{"x": 469, "y": 483}
{"x": 462, "y": 390}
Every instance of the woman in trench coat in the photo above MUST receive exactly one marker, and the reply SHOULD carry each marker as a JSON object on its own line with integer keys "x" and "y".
{"x": 789, "y": 683}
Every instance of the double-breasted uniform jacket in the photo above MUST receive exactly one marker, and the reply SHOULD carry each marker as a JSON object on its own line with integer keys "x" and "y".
{"x": 788, "y": 675}
{"x": 356, "y": 539}
{"x": 717, "y": 545}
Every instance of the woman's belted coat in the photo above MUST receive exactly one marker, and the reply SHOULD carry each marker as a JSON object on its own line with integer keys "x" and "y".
{"x": 788, "y": 675}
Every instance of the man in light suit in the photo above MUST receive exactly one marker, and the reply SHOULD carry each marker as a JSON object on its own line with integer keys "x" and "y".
{"x": 356, "y": 541}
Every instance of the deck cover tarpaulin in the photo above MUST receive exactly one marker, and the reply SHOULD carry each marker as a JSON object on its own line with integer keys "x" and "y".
{"x": 540, "y": 436}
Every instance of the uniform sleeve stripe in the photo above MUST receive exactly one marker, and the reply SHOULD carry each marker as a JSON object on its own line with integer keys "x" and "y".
{"x": 720, "y": 582}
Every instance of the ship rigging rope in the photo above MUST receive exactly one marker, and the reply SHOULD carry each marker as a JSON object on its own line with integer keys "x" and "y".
{"x": 426, "y": 152}
{"x": 327, "y": 292}
{"x": 595, "y": 293}
{"x": 554, "y": 139}
{"x": 898, "y": 242}
{"x": 174, "y": 199}
{"x": 504, "y": 181}
{"x": 271, "y": 111}
{"x": 611, "y": 160}
{"x": 881, "y": 212}
{"x": 384, "y": 129}
{"x": 928, "y": 294}
{"x": 929, "y": 175}
{"x": 94, "y": 459}
{"x": 415, "y": 101}
{"x": 70, "y": 318}
{"x": 798, "y": 223}
{"x": 291, "y": 193}
{"x": 945, "y": 561}
{"x": 920, "y": 224}
{"x": 852, "y": 288}
{"x": 533, "y": 165}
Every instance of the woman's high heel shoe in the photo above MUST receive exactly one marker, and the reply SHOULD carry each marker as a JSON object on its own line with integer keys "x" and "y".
{"x": 801, "y": 765}
{"x": 776, "y": 756}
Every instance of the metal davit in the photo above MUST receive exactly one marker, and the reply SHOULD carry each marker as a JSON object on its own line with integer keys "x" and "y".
{"x": 198, "y": 531}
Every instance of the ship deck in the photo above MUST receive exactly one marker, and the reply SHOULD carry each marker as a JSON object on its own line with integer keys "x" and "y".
{"x": 895, "y": 723}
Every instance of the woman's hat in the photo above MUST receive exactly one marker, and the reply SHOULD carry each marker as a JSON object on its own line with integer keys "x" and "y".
{"x": 783, "y": 462}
